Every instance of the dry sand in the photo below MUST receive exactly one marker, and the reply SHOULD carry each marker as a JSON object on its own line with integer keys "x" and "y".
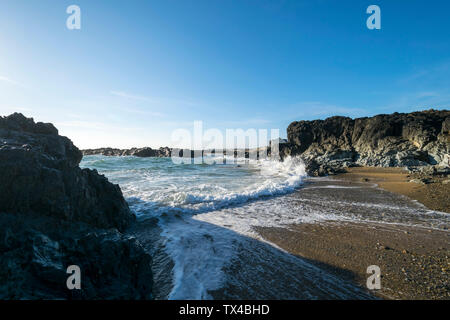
{"x": 435, "y": 195}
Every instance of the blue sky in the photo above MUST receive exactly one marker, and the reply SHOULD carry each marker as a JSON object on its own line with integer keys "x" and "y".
{"x": 137, "y": 70}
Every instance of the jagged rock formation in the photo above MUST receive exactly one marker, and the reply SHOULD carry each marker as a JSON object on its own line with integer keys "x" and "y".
{"x": 137, "y": 152}
{"x": 54, "y": 214}
{"x": 399, "y": 139}
{"x": 148, "y": 152}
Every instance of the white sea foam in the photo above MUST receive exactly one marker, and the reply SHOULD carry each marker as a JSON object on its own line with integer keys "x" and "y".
{"x": 333, "y": 187}
{"x": 199, "y": 192}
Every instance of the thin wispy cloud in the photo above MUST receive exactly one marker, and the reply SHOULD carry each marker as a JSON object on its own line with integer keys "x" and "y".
{"x": 94, "y": 125}
{"x": 416, "y": 101}
{"x": 143, "y": 112}
{"x": 7, "y": 109}
{"x": 436, "y": 72}
{"x": 82, "y": 124}
{"x": 249, "y": 122}
{"x": 177, "y": 124}
{"x": 423, "y": 89}
{"x": 126, "y": 95}
{"x": 311, "y": 109}
{"x": 140, "y": 111}
{"x": 155, "y": 100}
{"x": 9, "y": 81}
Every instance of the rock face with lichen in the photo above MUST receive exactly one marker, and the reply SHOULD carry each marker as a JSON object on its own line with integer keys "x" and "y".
{"x": 54, "y": 214}
{"x": 387, "y": 140}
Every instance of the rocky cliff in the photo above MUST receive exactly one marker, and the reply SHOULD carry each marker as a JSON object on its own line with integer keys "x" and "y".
{"x": 388, "y": 140}
{"x": 54, "y": 214}
{"x": 137, "y": 152}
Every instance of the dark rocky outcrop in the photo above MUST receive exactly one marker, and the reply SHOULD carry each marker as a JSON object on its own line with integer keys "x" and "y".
{"x": 148, "y": 152}
{"x": 54, "y": 214}
{"x": 145, "y": 152}
{"x": 395, "y": 140}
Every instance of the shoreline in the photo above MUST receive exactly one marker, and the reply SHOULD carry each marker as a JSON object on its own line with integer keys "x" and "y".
{"x": 414, "y": 260}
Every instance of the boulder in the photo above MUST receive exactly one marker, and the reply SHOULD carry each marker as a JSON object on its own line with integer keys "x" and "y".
{"x": 145, "y": 152}
{"x": 387, "y": 140}
{"x": 40, "y": 174}
{"x": 54, "y": 214}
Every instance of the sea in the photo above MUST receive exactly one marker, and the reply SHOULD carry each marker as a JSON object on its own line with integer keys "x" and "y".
{"x": 204, "y": 219}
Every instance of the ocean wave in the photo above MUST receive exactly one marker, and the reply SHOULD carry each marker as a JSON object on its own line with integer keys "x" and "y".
{"x": 273, "y": 178}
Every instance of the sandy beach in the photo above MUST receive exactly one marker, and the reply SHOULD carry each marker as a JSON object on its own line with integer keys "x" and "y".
{"x": 414, "y": 261}
{"x": 434, "y": 194}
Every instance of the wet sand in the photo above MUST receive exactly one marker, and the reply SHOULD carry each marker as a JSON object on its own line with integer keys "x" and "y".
{"x": 434, "y": 195}
{"x": 414, "y": 260}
